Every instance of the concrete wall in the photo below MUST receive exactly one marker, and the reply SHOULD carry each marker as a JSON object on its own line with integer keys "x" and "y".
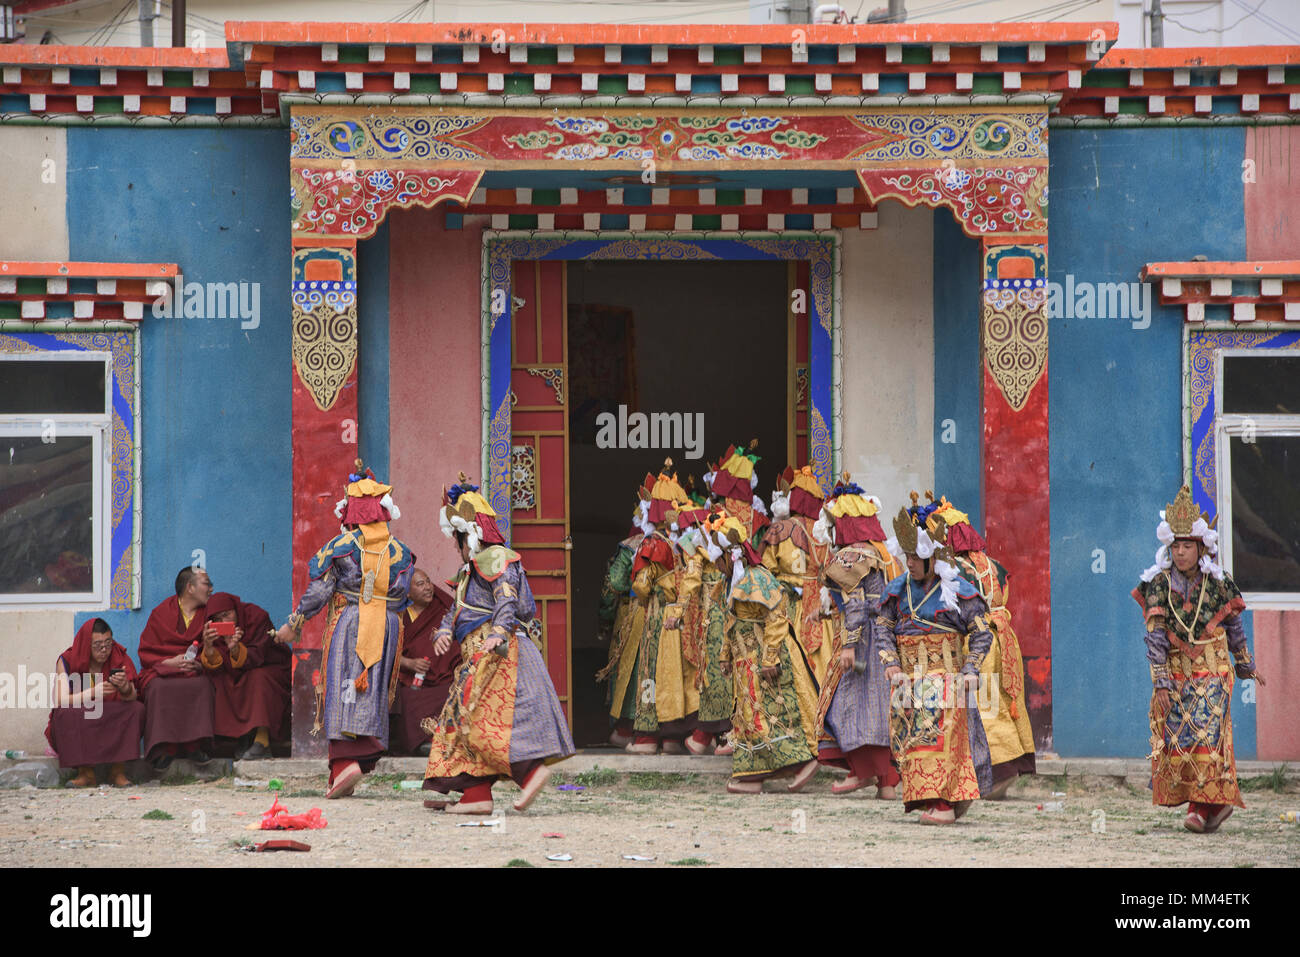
{"x": 33, "y": 227}
{"x": 215, "y": 396}
{"x": 1122, "y": 198}
{"x": 433, "y": 337}
{"x": 957, "y": 366}
{"x": 888, "y": 341}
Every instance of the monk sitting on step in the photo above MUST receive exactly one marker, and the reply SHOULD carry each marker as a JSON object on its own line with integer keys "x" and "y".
{"x": 98, "y": 718}
{"x": 250, "y": 673}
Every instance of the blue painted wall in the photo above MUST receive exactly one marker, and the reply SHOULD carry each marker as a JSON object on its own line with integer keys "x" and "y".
{"x": 1120, "y": 199}
{"x": 372, "y": 348}
{"x": 957, "y": 365}
{"x": 215, "y": 397}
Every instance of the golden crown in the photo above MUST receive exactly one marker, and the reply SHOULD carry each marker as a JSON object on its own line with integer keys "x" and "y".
{"x": 1182, "y": 513}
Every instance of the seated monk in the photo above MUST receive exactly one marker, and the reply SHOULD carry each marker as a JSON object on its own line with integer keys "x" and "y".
{"x": 415, "y": 702}
{"x": 250, "y": 674}
{"x": 101, "y": 721}
{"x": 177, "y": 708}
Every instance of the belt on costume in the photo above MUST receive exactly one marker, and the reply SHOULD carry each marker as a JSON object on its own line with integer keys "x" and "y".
{"x": 357, "y": 595}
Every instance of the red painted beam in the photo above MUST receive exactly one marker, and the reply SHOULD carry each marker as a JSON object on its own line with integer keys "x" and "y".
{"x": 594, "y": 34}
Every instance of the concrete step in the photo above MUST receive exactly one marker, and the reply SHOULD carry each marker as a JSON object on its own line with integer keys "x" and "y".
{"x": 1136, "y": 770}
{"x": 624, "y": 763}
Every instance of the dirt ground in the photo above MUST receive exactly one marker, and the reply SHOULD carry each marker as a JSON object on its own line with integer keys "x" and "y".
{"x": 678, "y": 820}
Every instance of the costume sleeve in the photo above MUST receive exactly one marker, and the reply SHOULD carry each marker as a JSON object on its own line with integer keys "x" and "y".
{"x": 886, "y": 646}
{"x": 1232, "y": 624}
{"x": 858, "y": 612}
{"x": 1151, "y": 596}
{"x": 974, "y": 618}
{"x": 618, "y": 581}
{"x": 692, "y": 578}
{"x": 505, "y": 603}
{"x": 447, "y": 625}
{"x": 316, "y": 597}
{"x": 775, "y": 629}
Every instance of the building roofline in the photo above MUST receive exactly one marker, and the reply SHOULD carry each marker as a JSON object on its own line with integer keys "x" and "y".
{"x": 595, "y": 34}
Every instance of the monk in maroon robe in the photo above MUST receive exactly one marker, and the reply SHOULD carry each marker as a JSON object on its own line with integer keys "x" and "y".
{"x": 177, "y": 702}
{"x": 250, "y": 674}
{"x": 415, "y": 702}
{"x": 98, "y": 717}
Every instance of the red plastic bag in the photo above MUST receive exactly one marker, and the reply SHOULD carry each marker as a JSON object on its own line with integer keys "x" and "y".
{"x": 278, "y": 818}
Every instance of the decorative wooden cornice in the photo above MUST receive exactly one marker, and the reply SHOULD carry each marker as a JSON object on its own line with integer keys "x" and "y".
{"x": 57, "y": 292}
{"x": 1238, "y": 291}
{"x": 266, "y": 66}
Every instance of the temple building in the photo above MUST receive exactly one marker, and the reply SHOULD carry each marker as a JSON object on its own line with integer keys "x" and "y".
{"x": 226, "y": 273}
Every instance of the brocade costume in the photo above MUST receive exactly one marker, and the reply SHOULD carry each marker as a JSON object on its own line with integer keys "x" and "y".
{"x": 502, "y": 717}
{"x": 938, "y": 738}
{"x": 1195, "y": 645}
{"x": 774, "y": 726}
{"x": 853, "y": 729}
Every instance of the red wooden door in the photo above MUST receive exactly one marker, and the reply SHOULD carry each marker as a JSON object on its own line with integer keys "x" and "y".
{"x": 539, "y": 455}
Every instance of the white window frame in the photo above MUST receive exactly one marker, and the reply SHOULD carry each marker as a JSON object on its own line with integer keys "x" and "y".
{"x": 99, "y": 426}
{"x": 1234, "y": 425}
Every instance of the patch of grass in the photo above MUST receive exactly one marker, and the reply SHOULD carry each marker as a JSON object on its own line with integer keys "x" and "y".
{"x": 690, "y": 862}
{"x": 384, "y": 780}
{"x": 982, "y": 839}
{"x": 304, "y": 793}
{"x": 655, "y": 781}
{"x": 596, "y": 777}
{"x": 156, "y": 815}
{"x": 1275, "y": 781}
{"x": 767, "y": 829}
{"x": 517, "y": 862}
{"x": 179, "y": 780}
{"x": 1140, "y": 830}
{"x": 1244, "y": 864}
{"x": 241, "y": 842}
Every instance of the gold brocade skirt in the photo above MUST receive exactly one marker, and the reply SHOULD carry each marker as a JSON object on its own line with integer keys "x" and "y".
{"x": 928, "y": 732}
{"x": 1191, "y": 746}
{"x": 472, "y": 733}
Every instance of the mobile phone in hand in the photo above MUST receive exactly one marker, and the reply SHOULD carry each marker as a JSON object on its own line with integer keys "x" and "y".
{"x": 223, "y": 629}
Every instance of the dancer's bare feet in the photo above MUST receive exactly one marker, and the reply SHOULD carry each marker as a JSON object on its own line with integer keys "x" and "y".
{"x": 345, "y": 782}
{"x": 848, "y": 785}
{"x": 672, "y": 746}
{"x": 933, "y": 815}
{"x": 803, "y": 776}
{"x": 532, "y": 787}
{"x": 887, "y": 792}
{"x": 736, "y": 786}
{"x": 470, "y": 807}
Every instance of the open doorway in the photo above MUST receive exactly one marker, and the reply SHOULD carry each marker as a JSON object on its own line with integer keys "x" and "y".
{"x": 704, "y": 339}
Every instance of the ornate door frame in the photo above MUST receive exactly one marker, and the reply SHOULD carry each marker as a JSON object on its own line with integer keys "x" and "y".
{"x": 350, "y": 164}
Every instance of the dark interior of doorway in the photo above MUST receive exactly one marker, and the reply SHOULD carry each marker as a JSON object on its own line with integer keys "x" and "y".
{"x": 688, "y": 337}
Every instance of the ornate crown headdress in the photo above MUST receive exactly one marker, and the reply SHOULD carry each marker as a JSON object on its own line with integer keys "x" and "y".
{"x": 1182, "y": 513}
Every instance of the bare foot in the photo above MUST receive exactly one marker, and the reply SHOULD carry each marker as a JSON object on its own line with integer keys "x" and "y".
{"x": 735, "y": 786}
{"x": 346, "y": 782}
{"x": 803, "y": 776}
{"x": 532, "y": 787}
{"x": 473, "y": 807}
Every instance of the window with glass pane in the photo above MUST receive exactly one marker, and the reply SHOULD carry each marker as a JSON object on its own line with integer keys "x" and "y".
{"x": 51, "y": 387}
{"x": 1261, "y": 384}
{"x": 1266, "y": 513}
{"x": 47, "y": 508}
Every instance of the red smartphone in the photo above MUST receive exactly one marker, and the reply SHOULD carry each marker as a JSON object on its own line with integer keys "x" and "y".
{"x": 223, "y": 629}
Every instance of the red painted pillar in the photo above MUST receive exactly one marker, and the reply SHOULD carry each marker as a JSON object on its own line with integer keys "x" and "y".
{"x": 1015, "y": 479}
{"x": 324, "y": 336}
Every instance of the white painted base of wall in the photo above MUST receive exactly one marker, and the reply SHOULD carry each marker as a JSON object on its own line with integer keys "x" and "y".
{"x": 888, "y": 374}
{"x": 30, "y": 643}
